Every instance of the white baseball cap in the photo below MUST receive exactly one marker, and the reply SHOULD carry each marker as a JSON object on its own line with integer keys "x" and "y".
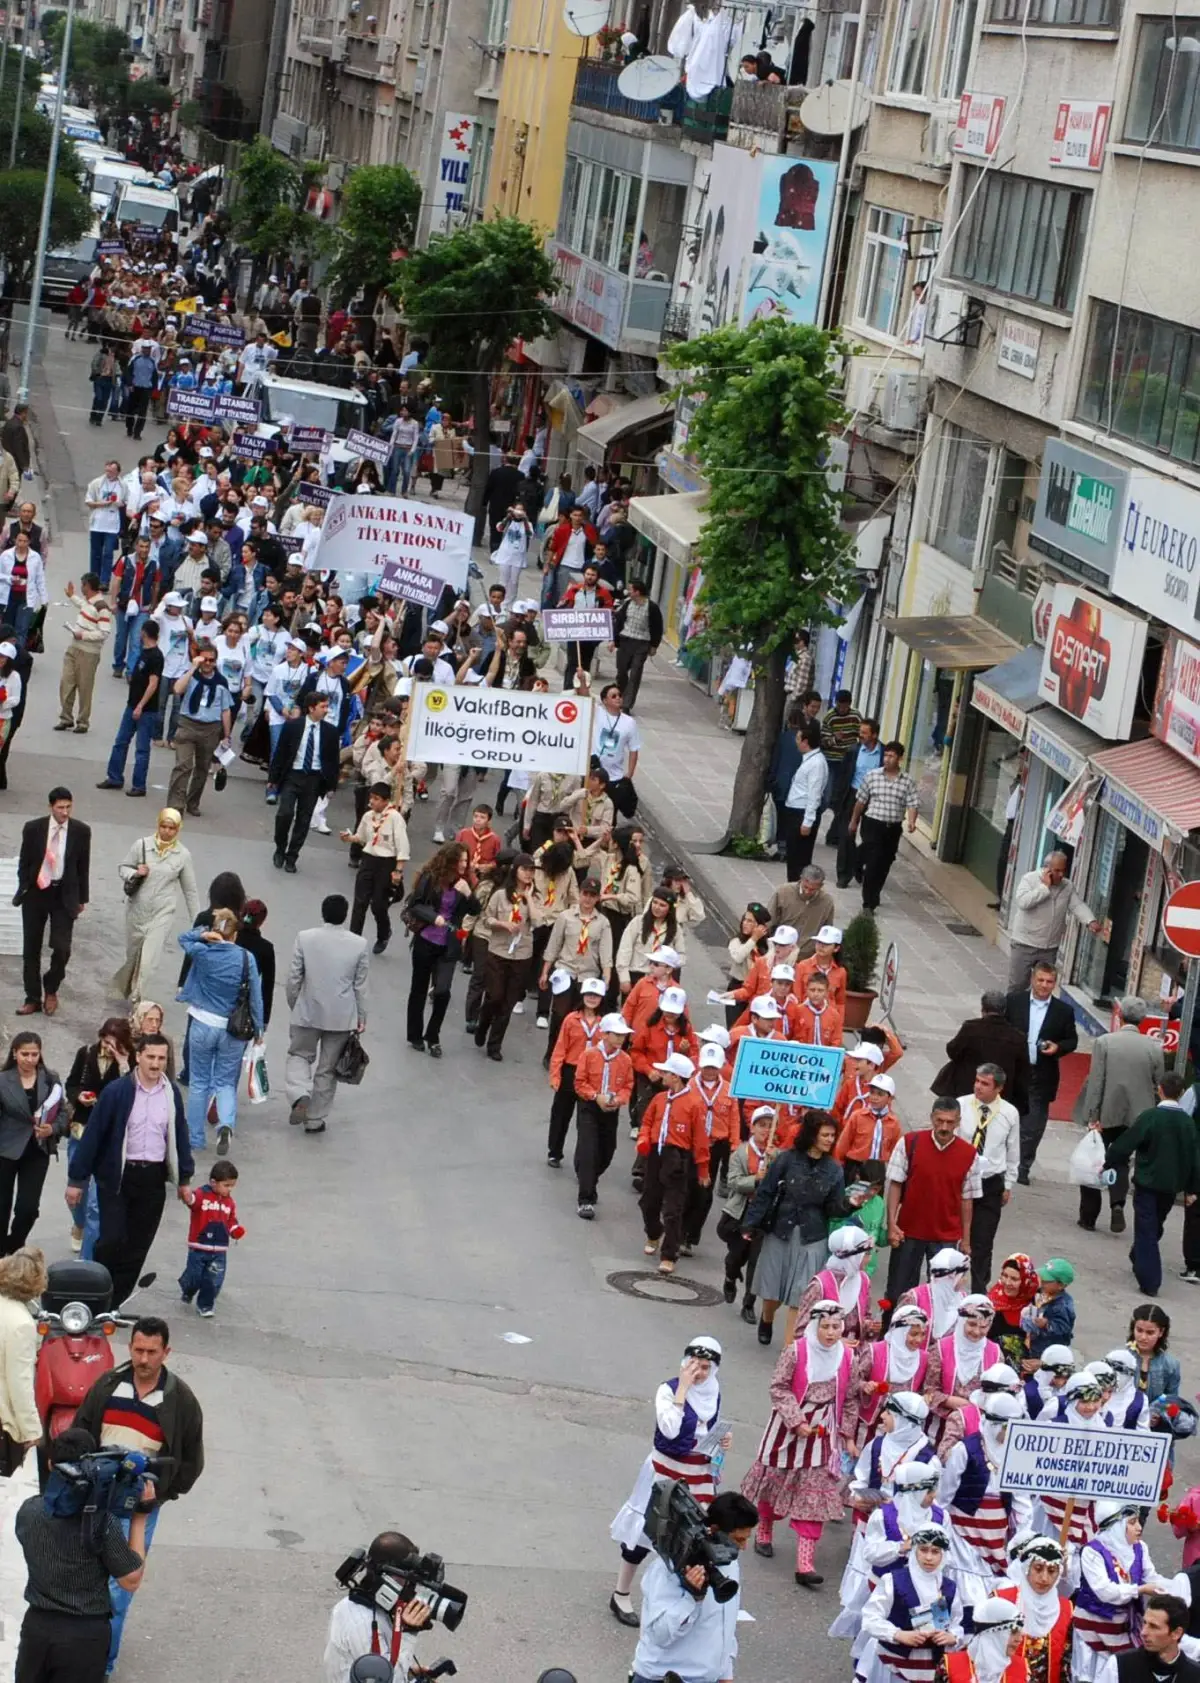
{"x": 883, "y": 1084}
{"x": 678, "y": 1065}
{"x": 298, "y": 643}
{"x": 711, "y": 1056}
{"x": 208, "y": 604}
{"x": 784, "y": 936}
{"x": 665, "y": 955}
{"x": 205, "y": 453}
{"x": 673, "y": 999}
{"x": 560, "y": 980}
{"x": 868, "y": 1050}
{"x": 592, "y": 984}
{"x": 764, "y": 1006}
{"x": 717, "y": 1034}
{"x": 259, "y": 502}
{"x": 173, "y": 600}
{"x": 830, "y": 935}
{"x": 783, "y": 973}
{"x": 614, "y": 1023}
{"x": 198, "y": 537}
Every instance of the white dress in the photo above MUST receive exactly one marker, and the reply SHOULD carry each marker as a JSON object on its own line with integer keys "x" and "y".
{"x": 149, "y": 916}
{"x": 628, "y": 1528}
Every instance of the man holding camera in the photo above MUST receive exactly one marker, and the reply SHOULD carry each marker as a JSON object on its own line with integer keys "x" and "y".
{"x": 685, "y": 1629}
{"x": 359, "y": 1626}
{"x": 65, "y": 1633}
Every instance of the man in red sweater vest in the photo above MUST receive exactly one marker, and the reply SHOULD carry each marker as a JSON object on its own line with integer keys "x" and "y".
{"x": 933, "y": 1178}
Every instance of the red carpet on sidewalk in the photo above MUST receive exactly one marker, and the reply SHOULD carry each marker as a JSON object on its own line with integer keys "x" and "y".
{"x": 1072, "y": 1073}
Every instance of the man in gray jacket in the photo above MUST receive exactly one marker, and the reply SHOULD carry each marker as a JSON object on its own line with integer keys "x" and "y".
{"x": 1123, "y": 1082}
{"x": 1042, "y": 903}
{"x": 327, "y": 993}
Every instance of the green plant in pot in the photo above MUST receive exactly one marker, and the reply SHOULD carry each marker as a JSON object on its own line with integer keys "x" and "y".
{"x": 860, "y": 956}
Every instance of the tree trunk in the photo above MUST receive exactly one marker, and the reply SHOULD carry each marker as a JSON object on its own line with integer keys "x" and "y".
{"x": 758, "y": 744}
{"x": 481, "y": 461}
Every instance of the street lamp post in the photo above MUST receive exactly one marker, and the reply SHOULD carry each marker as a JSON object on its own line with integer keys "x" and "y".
{"x": 16, "y": 128}
{"x": 39, "y": 267}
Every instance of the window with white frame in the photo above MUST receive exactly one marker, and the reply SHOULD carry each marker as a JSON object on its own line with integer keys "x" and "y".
{"x": 882, "y": 272}
{"x": 959, "y": 36}
{"x": 481, "y": 163}
{"x": 961, "y": 490}
{"x": 912, "y": 47}
{"x": 596, "y": 212}
{"x": 497, "y": 23}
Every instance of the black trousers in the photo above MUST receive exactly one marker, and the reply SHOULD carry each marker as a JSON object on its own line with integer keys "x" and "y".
{"x": 1033, "y": 1126}
{"x": 561, "y": 1006}
{"x": 798, "y": 849}
{"x": 59, "y": 1648}
{"x": 632, "y": 655}
{"x": 700, "y": 1197}
{"x": 136, "y": 405}
{"x": 1191, "y": 1237}
{"x": 985, "y": 1219}
{"x": 880, "y": 843}
{"x": 562, "y": 1108}
{"x": 129, "y": 1219}
{"x": 297, "y": 802}
{"x": 25, "y": 1175}
{"x": 1091, "y": 1198}
{"x": 668, "y": 1178}
{"x": 595, "y": 1145}
{"x": 578, "y": 654}
{"x": 849, "y": 851}
{"x": 740, "y": 1253}
{"x": 477, "y": 950}
{"x": 432, "y": 971}
{"x": 905, "y": 1263}
{"x": 503, "y": 986}
{"x": 373, "y": 889}
{"x": 541, "y": 940}
{"x": 39, "y": 907}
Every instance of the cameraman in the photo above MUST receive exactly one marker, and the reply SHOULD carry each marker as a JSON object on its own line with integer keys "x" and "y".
{"x": 684, "y": 1628}
{"x": 357, "y": 1626}
{"x": 66, "y": 1630}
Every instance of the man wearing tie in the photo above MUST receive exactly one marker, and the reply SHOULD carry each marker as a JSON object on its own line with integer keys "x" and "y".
{"x": 993, "y": 1127}
{"x": 1048, "y": 1024}
{"x": 52, "y": 887}
{"x": 304, "y": 767}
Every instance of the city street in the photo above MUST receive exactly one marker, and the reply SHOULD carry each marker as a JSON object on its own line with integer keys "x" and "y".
{"x": 417, "y": 1332}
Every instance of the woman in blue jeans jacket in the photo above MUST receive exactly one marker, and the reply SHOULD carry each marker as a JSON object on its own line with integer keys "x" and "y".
{"x": 210, "y": 992}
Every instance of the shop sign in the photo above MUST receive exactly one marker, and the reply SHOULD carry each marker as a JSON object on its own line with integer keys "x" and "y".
{"x": 1132, "y": 812}
{"x": 453, "y": 173}
{"x": 1017, "y": 347}
{"x": 1092, "y": 661}
{"x": 589, "y": 296}
{"x": 1176, "y": 718}
{"x": 1077, "y": 521}
{"x": 980, "y": 119}
{"x": 1158, "y": 563}
{"x": 1053, "y": 750}
{"x": 1043, "y": 607}
{"x": 1069, "y": 813}
{"x": 1080, "y": 133}
{"x": 998, "y": 707}
{"x": 1154, "y": 1028}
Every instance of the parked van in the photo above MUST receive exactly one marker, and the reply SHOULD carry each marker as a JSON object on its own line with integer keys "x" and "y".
{"x": 146, "y": 200}
{"x": 66, "y": 265}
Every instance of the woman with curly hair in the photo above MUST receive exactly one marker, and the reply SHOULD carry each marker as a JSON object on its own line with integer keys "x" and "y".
{"x": 434, "y": 911}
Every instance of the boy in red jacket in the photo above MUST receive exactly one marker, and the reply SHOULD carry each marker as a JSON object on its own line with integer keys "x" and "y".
{"x": 214, "y": 1223}
{"x": 603, "y": 1083}
{"x": 722, "y": 1127}
{"x": 580, "y": 1030}
{"x": 674, "y": 1145}
{"x": 482, "y": 844}
{"x": 818, "y": 1022}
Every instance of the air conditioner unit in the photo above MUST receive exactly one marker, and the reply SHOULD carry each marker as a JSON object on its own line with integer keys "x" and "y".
{"x": 940, "y": 129}
{"x": 862, "y": 385}
{"x": 946, "y": 310}
{"x": 902, "y": 401}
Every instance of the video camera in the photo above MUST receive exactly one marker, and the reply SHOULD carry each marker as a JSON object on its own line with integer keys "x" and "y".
{"x": 676, "y": 1524}
{"x": 107, "y": 1481}
{"x": 422, "y": 1577}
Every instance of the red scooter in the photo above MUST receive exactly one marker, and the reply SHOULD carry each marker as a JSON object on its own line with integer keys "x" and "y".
{"x": 77, "y": 1323}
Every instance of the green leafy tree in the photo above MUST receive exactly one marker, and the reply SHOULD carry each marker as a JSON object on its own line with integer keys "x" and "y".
{"x": 471, "y": 294}
{"x": 33, "y": 136}
{"x": 20, "y": 215}
{"x": 268, "y": 214}
{"x": 774, "y": 554}
{"x": 380, "y": 203}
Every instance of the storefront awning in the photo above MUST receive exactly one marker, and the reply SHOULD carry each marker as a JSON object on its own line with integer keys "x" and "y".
{"x": 954, "y": 642}
{"x": 1150, "y": 789}
{"x": 594, "y": 439}
{"x": 672, "y": 523}
{"x": 1062, "y": 742}
{"x": 1009, "y": 692}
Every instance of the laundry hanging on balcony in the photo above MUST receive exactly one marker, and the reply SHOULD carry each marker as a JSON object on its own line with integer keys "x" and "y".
{"x": 703, "y": 45}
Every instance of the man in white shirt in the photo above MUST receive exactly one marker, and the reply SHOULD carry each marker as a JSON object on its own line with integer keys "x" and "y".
{"x": 174, "y": 640}
{"x": 993, "y": 1127}
{"x": 685, "y": 1630}
{"x": 805, "y": 798}
{"x": 253, "y": 363}
{"x": 103, "y": 498}
{"x": 589, "y": 496}
{"x": 616, "y": 740}
{"x": 432, "y": 650}
{"x": 358, "y": 1627}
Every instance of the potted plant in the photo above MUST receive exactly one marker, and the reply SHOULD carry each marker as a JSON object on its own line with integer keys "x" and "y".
{"x": 860, "y": 956}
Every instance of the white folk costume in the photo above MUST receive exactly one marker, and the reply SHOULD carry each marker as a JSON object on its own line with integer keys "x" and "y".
{"x": 1046, "y": 1614}
{"x": 678, "y": 1427}
{"x": 990, "y": 1648}
{"x": 913, "y": 1479}
{"x": 1043, "y": 1388}
{"x": 1115, "y": 1571}
{"x": 1128, "y": 1408}
{"x": 906, "y": 1599}
{"x": 1049, "y": 1512}
{"x": 939, "y": 1300}
{"x": 980, "y": 1515}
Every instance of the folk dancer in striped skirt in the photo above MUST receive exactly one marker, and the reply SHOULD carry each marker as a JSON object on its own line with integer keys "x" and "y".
{"x": 797, "y": 1473}
{"x": 843, "y": 1277}
{"x": 956, "y": 1363}
{"x": 914, "y": 1612}
{"x": 685, "y": 1409}
{"x": 895, "y": 1362}
{"x": 1080, "y": 1404}
{"x": 1035, "y": 1569}
{"x": 882, "y": 1544}
{"x": 980, "y": 1516}
{"x": 899, "y": 1443}
{"x": 940, "y": 1298}
{"x": 991, "y": 1648}
{"x": 1043, "y": 1388}
{"x": 1115, "y": 1572}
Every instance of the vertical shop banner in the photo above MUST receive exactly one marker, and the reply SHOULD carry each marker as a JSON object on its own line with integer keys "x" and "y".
{"x": 1176, "y": 719}
{"x": 980, "y": 120}
{"x": 786, "y": 262}
{"x": 725, "y": 238}
{"x": 449, "y": 192}
{"x": 1080, "y": 134}
{"x": 1092, "y": 661}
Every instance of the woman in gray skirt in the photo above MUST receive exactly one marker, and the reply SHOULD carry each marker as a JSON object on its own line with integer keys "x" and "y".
{"x": 799, "y": 1195}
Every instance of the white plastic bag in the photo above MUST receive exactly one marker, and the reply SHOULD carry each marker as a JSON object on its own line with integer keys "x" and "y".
{"x": 254, "y": 1064}
{"x": 1087, "y": 1160}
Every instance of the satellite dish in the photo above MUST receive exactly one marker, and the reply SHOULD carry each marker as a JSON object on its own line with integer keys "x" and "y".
{"x": 835, "y": 107}
{"x": 585, "y": 17}
{"x": 648, "y": 79}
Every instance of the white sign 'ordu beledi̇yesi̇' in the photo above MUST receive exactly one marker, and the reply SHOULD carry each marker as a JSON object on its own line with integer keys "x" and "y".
{"x": 474, "y": 725}
{"x": 362, "y": 534}
{"x": 1053, "y": 1460}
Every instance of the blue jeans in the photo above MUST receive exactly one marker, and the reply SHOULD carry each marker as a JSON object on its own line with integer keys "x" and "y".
{"x": 128, "y": 730}
{"x": 214, "y": 1065}
{"x": 20, "y": 617}
{"x": 88, "y": 1210}
{"x": 102, "y": 546}
{"x": 168, "y": 718}
{"x": 101, "y": 394}
{"x": 120, "y": 1598}
{"x": 202, "y": 1278}
{"x": 127, "y": 639}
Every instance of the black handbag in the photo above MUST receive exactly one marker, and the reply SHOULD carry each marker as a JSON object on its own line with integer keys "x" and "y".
{"x": 133, "y": 885}
{"x": 352, "y": 1060}
{"x": 241, "y": 1021}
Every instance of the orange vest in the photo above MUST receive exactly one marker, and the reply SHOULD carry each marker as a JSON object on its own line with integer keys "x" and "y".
{"x": 959, "y": 1668}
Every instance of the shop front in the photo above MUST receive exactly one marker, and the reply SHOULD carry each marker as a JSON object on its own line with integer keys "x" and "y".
{"x": 672, "y": 525}
{"x": 1058, "y": 749}
{"x": 1001, "y": 702}
{"x": 627, "y": 437}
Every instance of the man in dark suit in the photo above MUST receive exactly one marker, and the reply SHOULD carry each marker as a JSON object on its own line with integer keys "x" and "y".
{"x": 52, "y": 887}
{"x": 1048, "y": 1024}
{"x": 988, "y": 1038}
{"x": 304, "y": 767}
{"x": 1160, "y": 1659}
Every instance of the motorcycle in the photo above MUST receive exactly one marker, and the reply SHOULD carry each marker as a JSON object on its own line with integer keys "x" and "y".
{"x": 77, "y": 1323}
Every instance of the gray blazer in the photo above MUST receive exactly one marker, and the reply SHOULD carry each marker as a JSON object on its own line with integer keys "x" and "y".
{"x": 1126, "y": 1069}
{"x": 327, "y": 979}
{"x": 16, "y": 1117}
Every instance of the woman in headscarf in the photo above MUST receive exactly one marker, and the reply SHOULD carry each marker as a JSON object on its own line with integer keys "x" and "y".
{"x": 1043, "y": 1388}
{"x": 797, "y": 1473}
{"x": 1115, "y": 1572}
{"x": 845, "y": 1278}
{"x": 896, "y": 1362}
{"x": 883, "y": 1541}
{"x": 686, "y": 1409}
{"x": 899, "y": 1616}
{"x": 148, "y": 1017}
{"x": 1035, "y": 1569}
{"x": 957, "y": 1360}
{"x": 1080, "y": 1404}
{"x": 162, "y": 866}
{"x": 970, "y": 1487}
{"x": 900, "y": 1439}
{"x": 1128, "y": 1407}
{"x": 993, "y": 1643}
{"x": 1016, "y": 1286}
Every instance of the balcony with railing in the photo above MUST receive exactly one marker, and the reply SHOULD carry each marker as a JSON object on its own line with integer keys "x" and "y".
{"x": 677, "y": 321}
{"x": 623, "y": 313}
{"x": 596, "y": 90}
{"x": 766, "y": 109}
{"x": 371, "y": 55}
{"x": 315, "y": 34}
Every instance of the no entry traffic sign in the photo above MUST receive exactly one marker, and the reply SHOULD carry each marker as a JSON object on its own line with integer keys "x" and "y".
{"x": 1181, "y": 919}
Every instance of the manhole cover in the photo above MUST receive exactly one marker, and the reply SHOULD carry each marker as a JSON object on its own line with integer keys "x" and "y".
{"x": 663, "y": 1288}
{"x": 967, "y": 929}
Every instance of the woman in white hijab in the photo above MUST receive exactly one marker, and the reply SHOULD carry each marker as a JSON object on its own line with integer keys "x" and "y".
{"x": 996, "y": 1379}
{"x": 1035, "y": 1570}
{"x": 1080, "y": 1404}
{"x": 908, "y": 1502}
{"x": 900, "y": 1438}
{"x": 844, "y": 1277}
{"x": 1128, "y": 1408}
{"x": 1044, "y": 1386}
{"x": 914, "y": 1612}
{"x": 970, "y": 1487}
{"x": 948, "y": 1269}
{"x": 1115, "y": 1571}
{"x": 797, "y": 1473}
{"x": 896, "y": 1362}
{"x": 994, "y": 1641}
{"x": 957, "y": 1361}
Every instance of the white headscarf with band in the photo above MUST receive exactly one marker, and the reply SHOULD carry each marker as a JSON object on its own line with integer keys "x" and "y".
{"x": 823, "y": 1361}
{"x": 903, "y": 1362}
{"x": 849, "y": 1248}
{"x": 969, "y": 1353}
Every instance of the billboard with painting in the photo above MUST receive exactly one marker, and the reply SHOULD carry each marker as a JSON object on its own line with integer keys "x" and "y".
{"x": 726, "y": 230}
{"x": 788, "y": 247}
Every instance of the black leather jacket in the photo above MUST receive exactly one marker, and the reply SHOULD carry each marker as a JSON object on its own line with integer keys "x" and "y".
{"x": 798, "y": 1191}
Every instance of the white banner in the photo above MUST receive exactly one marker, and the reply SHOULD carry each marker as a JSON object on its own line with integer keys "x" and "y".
{"x": 461, "y": 725}
{"x": 362, "y": 534}
{"x": 1051, "y": 1460}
